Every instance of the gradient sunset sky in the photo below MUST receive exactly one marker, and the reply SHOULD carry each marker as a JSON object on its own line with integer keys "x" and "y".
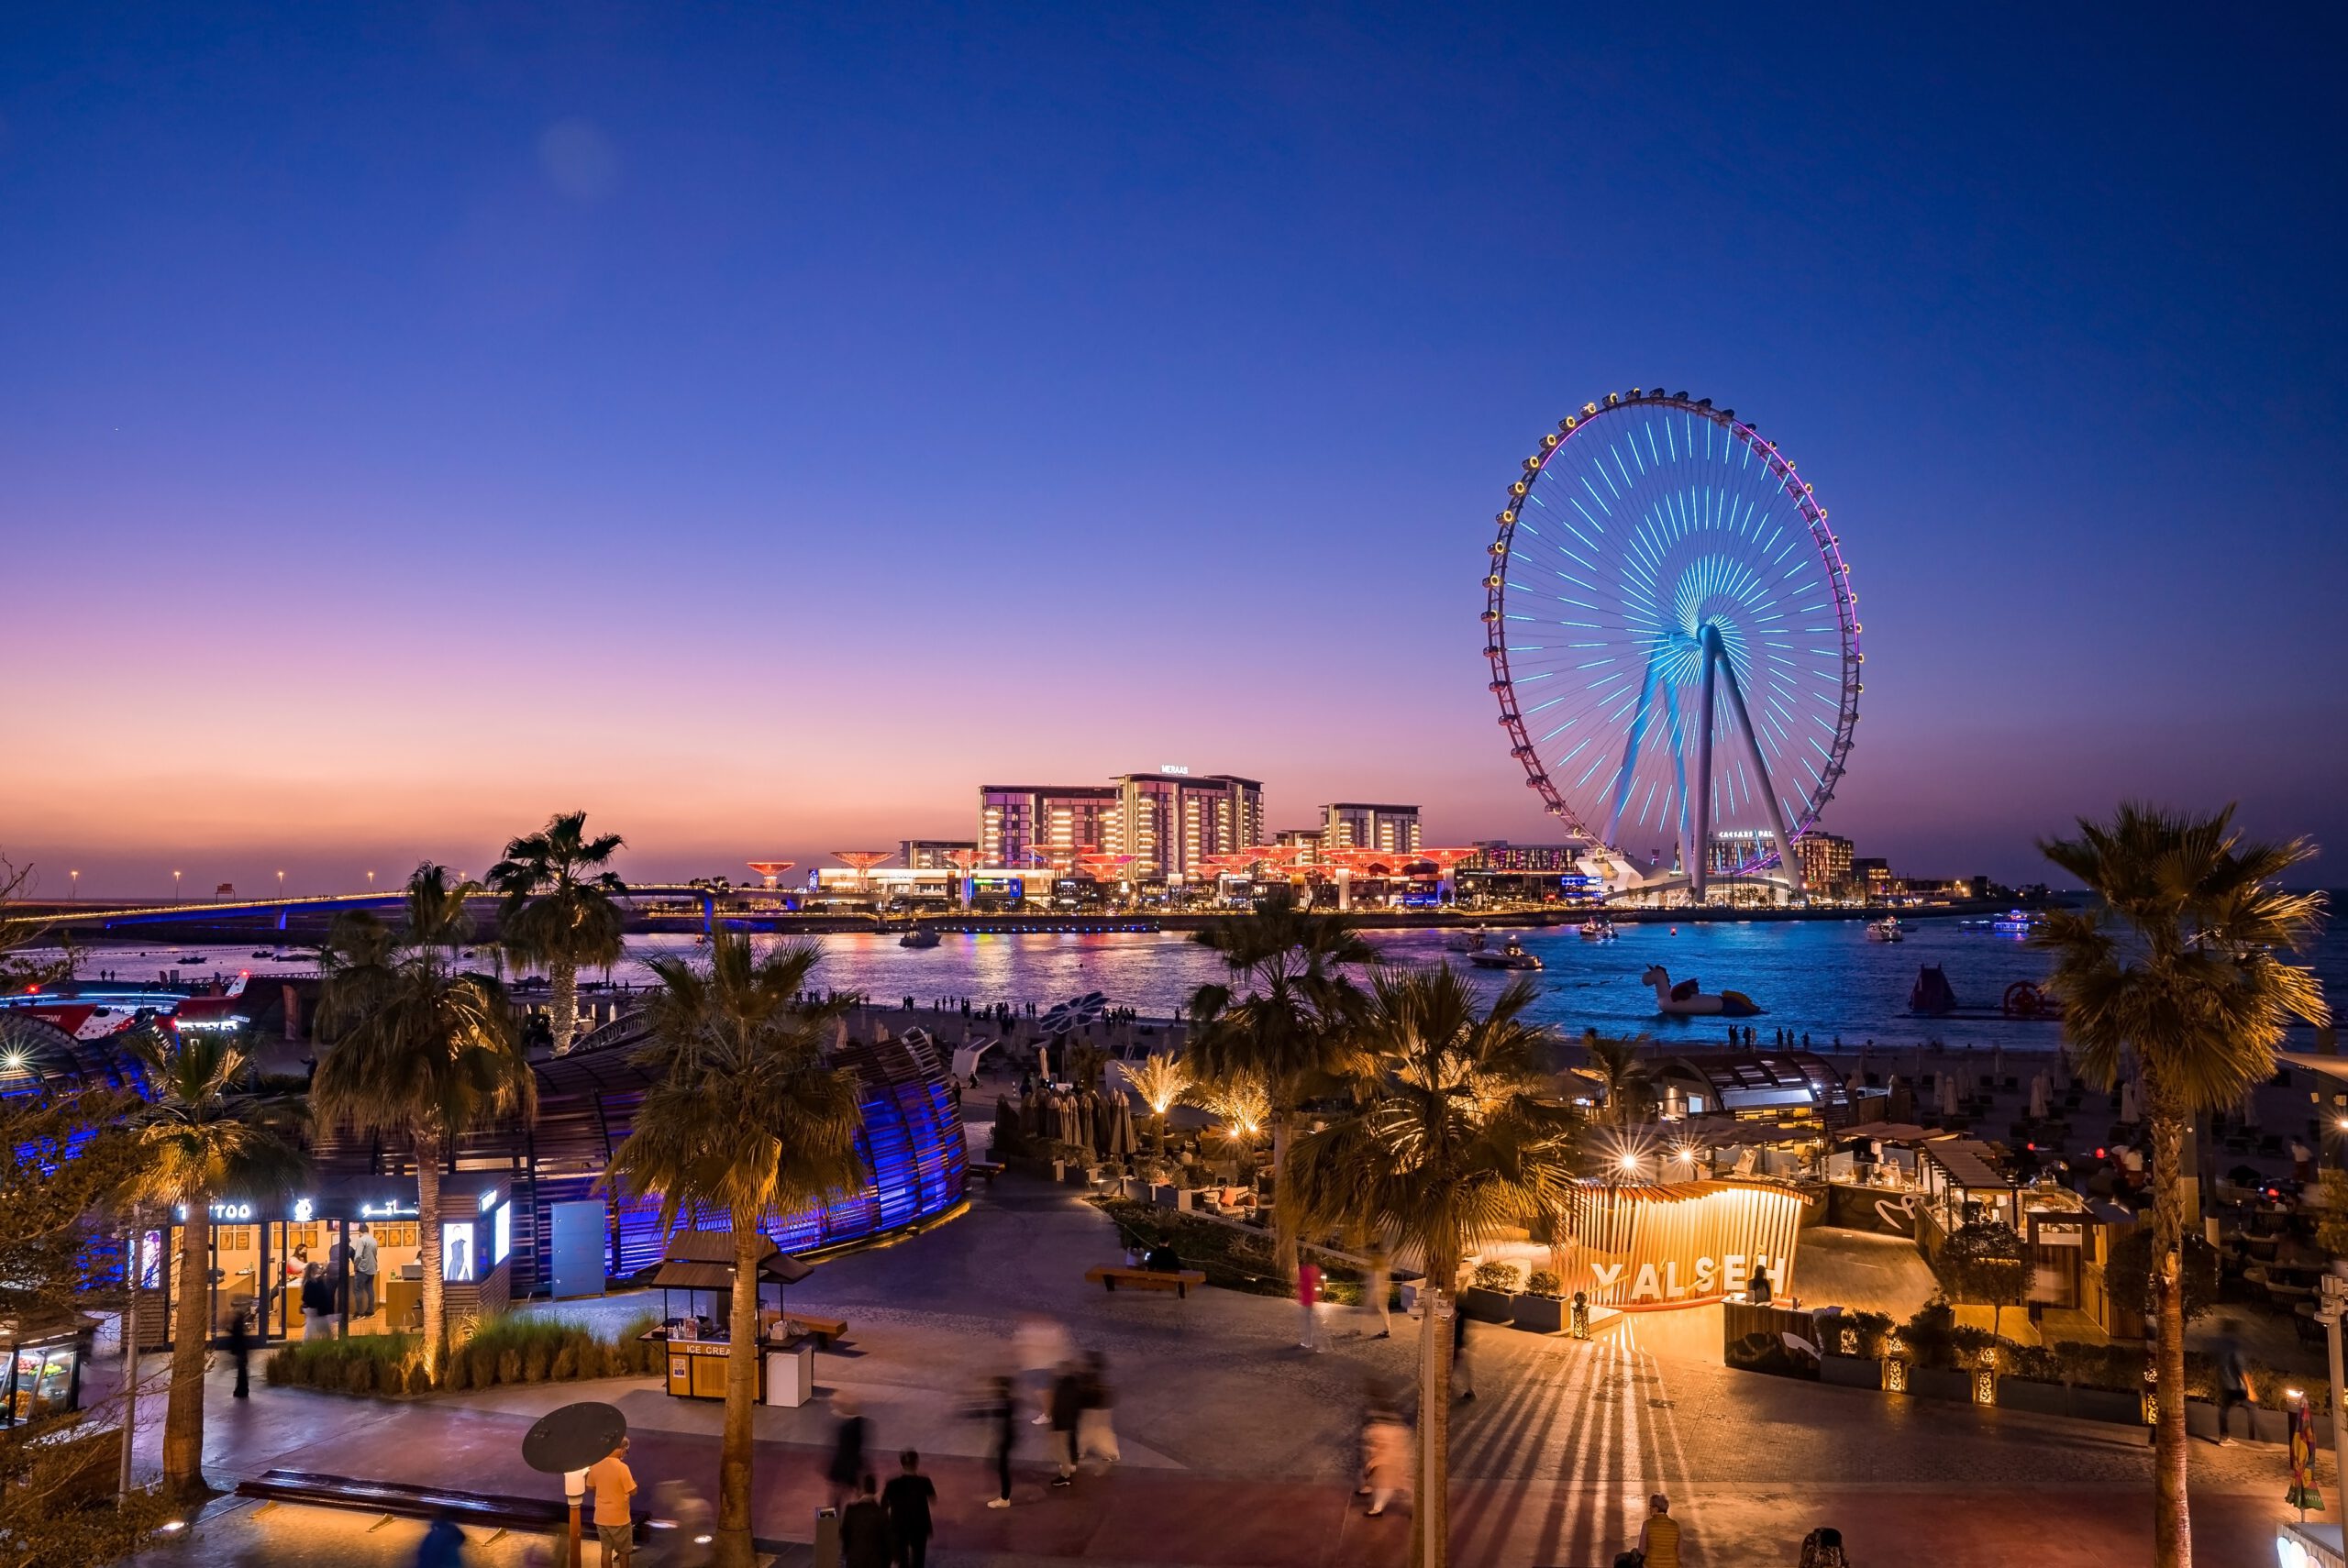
{"x": 760, "y": 425}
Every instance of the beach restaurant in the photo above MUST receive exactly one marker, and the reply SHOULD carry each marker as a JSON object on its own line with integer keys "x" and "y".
{"x": 260, "y": 1252}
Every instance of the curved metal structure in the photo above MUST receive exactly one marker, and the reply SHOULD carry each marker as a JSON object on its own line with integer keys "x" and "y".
{"x": 1673, "y": 639}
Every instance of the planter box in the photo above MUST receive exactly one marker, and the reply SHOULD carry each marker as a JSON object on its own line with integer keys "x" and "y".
{"x": 1540, "y": 1314}
{"x": 1487, "y": 1306}
{"x": 1408, "y": 1293}
{"x": 1940, "y": 1382}
{"x": 1168, "y": 1197}
{"x": 2038, "y": 1398}
{"x": 1851, "y": 1371}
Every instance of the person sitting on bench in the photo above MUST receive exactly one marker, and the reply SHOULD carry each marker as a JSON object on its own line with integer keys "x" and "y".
{"x": 1163, "y": 1259}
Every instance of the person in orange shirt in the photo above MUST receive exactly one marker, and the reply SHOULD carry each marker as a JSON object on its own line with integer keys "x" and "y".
{"x": 614, "y": 1485}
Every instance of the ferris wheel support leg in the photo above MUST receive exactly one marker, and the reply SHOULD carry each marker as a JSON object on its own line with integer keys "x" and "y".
{"x": 1787, "y": 860}
{"x": 1631, "y": 746}
{"x": 1699, "y": 852}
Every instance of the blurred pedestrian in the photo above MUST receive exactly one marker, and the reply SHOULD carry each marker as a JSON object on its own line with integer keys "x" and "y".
{"x": 689, "y": 1520}
{"x": 1308, "y": 1295}
{"x": 240, "y": 1350}
{"x": 1822, "y": 1548}
{"x": 1463, "y": 1367}
{"x": 443, "y": 1545}
{"x": 1385, "y": 1459}
{"x": 1063, "y": 1408}
{"x": 864, "y": 1528}
{"x": 1377, "y": 1290}
{"x": 1042, "y": 1346}
{"x": 318, "y": 1303}
{"x": 1096, "y": 1432}
{"x": 1001, "y": 1415}
{"x": 847, "y": 1451}
{"x": 907, "y": 1498}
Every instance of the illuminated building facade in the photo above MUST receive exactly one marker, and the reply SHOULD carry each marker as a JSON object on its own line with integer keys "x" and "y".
{"x": 1826, "y": 864}
{"x": 1170, "y": 823}
{"x": 1357, "y": 825}
{"x": 1305, "y": 840}
{"x": 1019, "y": 824}
{"x": 930, "y": 854}
{"x": 1872, "y": 875}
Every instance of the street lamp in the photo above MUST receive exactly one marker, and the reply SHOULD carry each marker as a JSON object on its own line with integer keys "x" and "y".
{"x": 175, "y": 887}
{"x": 371, "y": 881}
{"x": 280, "y": 883}
{"x": 74, "y": 879}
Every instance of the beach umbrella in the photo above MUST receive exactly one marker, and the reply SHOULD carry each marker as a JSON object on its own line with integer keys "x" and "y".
{"x": 2038, "y": 1097}
{"x": 1948, "y": 1093}
{"x": 2128, "y": 1100}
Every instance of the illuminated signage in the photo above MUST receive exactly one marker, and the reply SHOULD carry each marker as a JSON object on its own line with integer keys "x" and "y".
{"x": 302, "y": 1209}
{"x": 1680, "y": 1244}
{"x": 1179, "y": 770}
{"x": 231, "y": 1211}
{"x": 391, "y": 1209}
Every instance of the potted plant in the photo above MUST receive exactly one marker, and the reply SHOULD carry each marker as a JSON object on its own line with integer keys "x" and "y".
{"x": 1540, "y": 1308}
{"x": 1851, "y": 1349}
{"x": 1491, "y": 1293}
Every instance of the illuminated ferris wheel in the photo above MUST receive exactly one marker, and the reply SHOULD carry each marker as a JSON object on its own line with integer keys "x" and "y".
{"x": 1673, "y": 640}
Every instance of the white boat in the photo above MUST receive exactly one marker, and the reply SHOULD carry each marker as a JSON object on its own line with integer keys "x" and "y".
{"x": 919, "y": 937}
{"x": 1511, "y": 956}
{"x": 1599, "y": 929}
{"x": 1888, "y": 929}
{"x": 1465, "y": 941}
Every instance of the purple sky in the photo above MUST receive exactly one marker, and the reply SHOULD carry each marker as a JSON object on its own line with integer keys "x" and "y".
{"x": 759, "y": 430}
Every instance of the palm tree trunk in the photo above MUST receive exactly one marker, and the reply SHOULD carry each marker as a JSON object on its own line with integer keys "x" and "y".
{"x": 562, "y": 981}
{"x": 2171, "y": 1521}
{"x": 427, "y": 1233}
{"x": 734, "y": 1550}
{"x": 1283, "y": 1205}
{"x": 1430, "y": 1510}
{"x": 191, "y": 1341}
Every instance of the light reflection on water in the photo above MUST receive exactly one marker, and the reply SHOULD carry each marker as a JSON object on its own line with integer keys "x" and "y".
{"x": 1823, "y": 978}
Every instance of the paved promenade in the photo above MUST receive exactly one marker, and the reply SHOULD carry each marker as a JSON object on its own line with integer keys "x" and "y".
{"x": 1239, "y": 1445}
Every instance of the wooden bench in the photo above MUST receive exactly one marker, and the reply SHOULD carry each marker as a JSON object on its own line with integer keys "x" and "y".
{"x": 485, "y": 1510}
{"x": 1146, "y": 1279}
{"x": 824, "y": 1330}
{"x": 981, "y": 1170}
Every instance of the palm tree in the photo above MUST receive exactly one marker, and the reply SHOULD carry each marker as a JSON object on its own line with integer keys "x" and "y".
{"x": 559, "y": 911}
{"x": 417, "y": 1048}
{"x": 1448, "y": 1144}
{"x": 1620, "y": 1070}
{"x": 2176, "y": 967}
{"x": 1288, "y": 1031}
{"x": 744, "y": 1118}
{"x": 197, "y": 1137}
{"x": 1162, "y": 1080}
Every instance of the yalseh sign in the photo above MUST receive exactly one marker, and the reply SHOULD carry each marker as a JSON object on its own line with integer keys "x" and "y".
{"x": 1682, "y": 1245}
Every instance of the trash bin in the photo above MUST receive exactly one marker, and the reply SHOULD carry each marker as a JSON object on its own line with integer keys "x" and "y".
{"x": 827, "y": 1538}
{"x": 790, "y": 1375}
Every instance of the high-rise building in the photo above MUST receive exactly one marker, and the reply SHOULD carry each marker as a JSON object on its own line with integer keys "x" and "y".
{"x": 1018, "y": 821}
{"x": 1393, "y": 829}
{"x": 1872, "y": 874}
{"x": 1826, "y": 863}
{"x": 929, "y": 854}
{"x": 1168, "y": 820}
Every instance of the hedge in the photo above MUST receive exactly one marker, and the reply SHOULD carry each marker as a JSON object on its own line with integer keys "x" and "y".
{"x": 503, "y": 1349}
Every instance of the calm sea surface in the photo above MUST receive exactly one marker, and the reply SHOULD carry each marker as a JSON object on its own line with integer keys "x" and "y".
{"x": 1819, "y": 977}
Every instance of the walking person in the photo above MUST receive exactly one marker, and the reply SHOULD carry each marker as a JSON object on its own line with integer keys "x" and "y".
{"x": 1063, "y": 1409}
{"x": 1822, "y": 1548}
{"x": 906, "y": 1499}
{"x": 1002, "y": 1416}
{"x": 1308, "y": 1295}
{"x": 847, "y": 1467}
{"x": 1385, "y": 1459}
{"x": 1042, "y": 1347}
{"x": 1463, "y": 1367}
{"x": 362, "y": 1266}
{"x": 2234, "y": 1381}
{"x": 1659, "y": 1537}
{"x": 864, "y": 1528}
{"x": 443, "y": 1545}
{"x": 318, "y": 1303}
{"x": 1096, "y": 1432}
{"x": 614, "y": 1485}
{"x": 240, "y": 1349}
{"x": 1377, "y": 1291}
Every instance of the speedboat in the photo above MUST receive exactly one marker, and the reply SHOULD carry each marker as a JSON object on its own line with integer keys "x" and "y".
{"x": 1465, "y": 941}
{"x": 1599, "y": 929}
{"x": 919, "y": 937}
{"x": 2017, "y": 923}
{"x": 1888, "y": 929}
{"x": 1512, "y": 955}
